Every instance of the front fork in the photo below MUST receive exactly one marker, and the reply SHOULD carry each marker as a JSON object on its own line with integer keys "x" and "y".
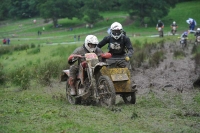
{"x": 93, "y": 85}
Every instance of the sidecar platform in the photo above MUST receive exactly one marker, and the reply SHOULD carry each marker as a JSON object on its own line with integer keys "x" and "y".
{"x": 120, "y": 77}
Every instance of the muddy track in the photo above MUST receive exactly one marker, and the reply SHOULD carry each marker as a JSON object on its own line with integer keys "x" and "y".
{"x": 171, "y": 74}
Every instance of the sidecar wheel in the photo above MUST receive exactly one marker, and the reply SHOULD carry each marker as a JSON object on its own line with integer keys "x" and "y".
{"x": 106, "y": 91}
{"x": 129, "y": 98}
{"x": 71, "y": 99}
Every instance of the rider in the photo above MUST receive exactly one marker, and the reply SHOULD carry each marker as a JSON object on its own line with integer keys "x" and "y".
{"x": 174, "y": 25}
{"x": 197, "y": 33}
{"x": 119, "y": 46}
{"x": 184, "y": 35}
{"x": 160, "y": 24}
{"x": 90, "y": 46}
{"x": 192, "y": 24}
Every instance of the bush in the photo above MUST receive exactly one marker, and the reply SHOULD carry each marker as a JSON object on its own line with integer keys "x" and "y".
{"x": 2, "y": 75}
{"x": 21, "y": 47}
{"x": 21, "y": 77}
{"x": 49, "y": 70}
{"x": 34, "y": 51}
{"x": 6, "y": 50}
{"x": 138, "y": 58}
{"x": 32, "y": 45}
{"x": 156, "y": 58}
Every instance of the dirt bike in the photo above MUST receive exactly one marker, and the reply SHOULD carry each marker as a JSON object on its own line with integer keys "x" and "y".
{"x": 197, "y": 40}
{"x": 121, "y": 78}
{"x": 160, "y": 31}
{"x": 91, "y": 86}
{"x": 183, "y": 42}
{"x": 173, "y": 30}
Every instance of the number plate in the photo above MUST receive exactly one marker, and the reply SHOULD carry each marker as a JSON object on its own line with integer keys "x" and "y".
{"x": 119, "y": 77}
{"x": 90, "y": 56}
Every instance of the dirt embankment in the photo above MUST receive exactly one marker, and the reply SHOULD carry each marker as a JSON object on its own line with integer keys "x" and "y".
{"x": 176, "y": 74}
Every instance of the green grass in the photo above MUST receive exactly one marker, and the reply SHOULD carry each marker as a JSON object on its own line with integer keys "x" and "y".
{"x": 181, "y": 13}
{"x": 42, "y": 110}
{"x": 46, "y": 53}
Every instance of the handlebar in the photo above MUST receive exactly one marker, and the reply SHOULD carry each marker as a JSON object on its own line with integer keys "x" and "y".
{"x": 183, "y": 37}
{"x": 79, "y": 56}
{"x": 116, "y": 59}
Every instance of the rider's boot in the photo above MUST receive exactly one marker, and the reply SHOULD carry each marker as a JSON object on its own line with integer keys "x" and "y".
{"x": 72, "y": 86}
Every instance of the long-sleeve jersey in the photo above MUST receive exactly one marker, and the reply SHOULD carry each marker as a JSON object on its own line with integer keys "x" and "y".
{"x": 119, "y": 47}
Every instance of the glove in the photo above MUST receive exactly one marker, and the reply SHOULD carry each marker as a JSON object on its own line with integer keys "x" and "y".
{"x": 106, "y": 55}
{"x": 127, "y": 58}
{"x": 70, "y": 57}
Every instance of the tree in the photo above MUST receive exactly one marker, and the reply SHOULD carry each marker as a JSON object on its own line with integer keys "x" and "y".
{"x": 56, "y": 9}
{"x": 151, "y": 9}
{"x": 91, "y": 11}
{"x": 23, "y": 8}
{"x": 92, "y": 8}
{"x": 4, "y": 9}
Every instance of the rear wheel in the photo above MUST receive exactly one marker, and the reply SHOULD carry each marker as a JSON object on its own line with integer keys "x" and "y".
{"x": 161, "y": 33}
{"x": 71, "y": 99}
{"x": 106, "y": 91}
{"x": 173, "y": 32}
{"x": 129, "y": 98}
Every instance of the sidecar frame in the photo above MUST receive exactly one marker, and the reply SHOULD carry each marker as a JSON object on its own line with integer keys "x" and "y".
{"x": 121, "y": 78}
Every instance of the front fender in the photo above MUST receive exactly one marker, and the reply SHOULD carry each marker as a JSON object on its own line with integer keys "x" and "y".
{"x": 64, "y": 76}
{"x": 98, "y": 66}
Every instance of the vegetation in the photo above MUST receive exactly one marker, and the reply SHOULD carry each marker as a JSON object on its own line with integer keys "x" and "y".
{"x": 148, "y": 10}
{"x": 54, "y": 10}
{"x": 33, "y": 100}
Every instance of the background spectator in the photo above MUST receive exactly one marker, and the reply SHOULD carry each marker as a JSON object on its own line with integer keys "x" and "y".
{"x": 74, "y": 37}
{"x": 8, "y": 41}
{"x": 4, "y": 41}
{"x": 79, "y": 37}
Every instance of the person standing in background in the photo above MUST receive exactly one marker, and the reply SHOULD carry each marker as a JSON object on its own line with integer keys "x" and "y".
{"x": 75, "y": 38}
{"x": 79, "y": 37}
{"x": 4, "y": 41}
{"x": 8, "y": 41}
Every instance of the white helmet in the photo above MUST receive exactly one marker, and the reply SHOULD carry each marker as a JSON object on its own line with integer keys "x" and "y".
{"x": 91, "y": 39}
{"x": 198, "y": 29}
{"x": 116, "y": 30}
{"x": 174, "y": 22}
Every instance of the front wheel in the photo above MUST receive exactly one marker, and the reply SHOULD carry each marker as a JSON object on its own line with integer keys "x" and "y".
{"x": 184, "y": 45}
{"x": 129, "y": 98}
{"x": 71, "y": 99}
{"x": 106, "y": 91}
